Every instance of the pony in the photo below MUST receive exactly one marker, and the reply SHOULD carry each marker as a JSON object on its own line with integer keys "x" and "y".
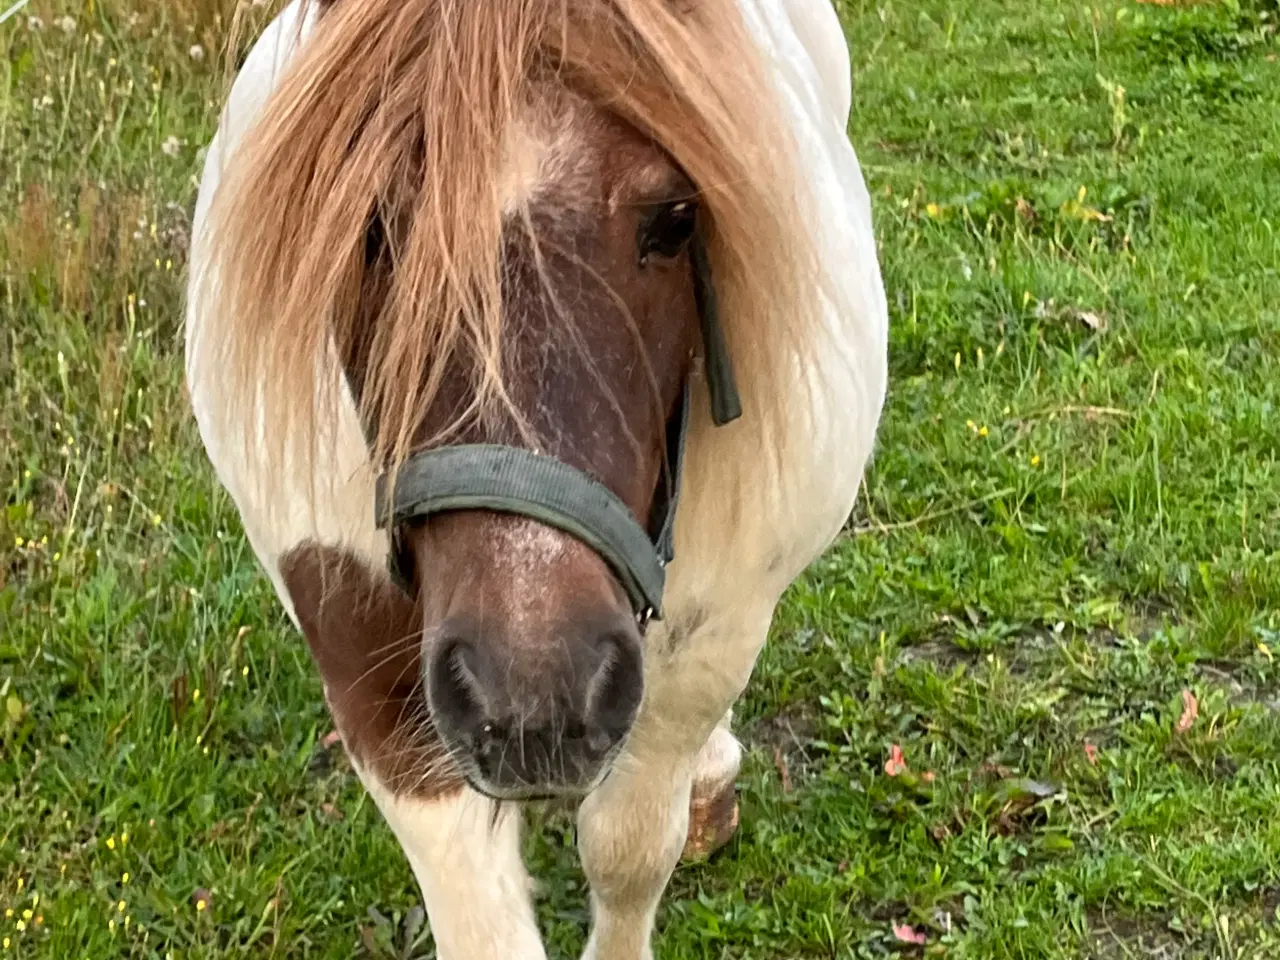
{"x": 540, "y": 345}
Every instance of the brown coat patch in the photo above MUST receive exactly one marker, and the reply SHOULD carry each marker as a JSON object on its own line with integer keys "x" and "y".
{"x": 365, "y": 636}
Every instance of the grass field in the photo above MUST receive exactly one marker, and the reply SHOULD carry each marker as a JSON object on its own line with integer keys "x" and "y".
{"x": 1059, "y": 599}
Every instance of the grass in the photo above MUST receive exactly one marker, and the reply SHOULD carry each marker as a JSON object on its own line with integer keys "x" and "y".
{"x": 1072, "y": 519}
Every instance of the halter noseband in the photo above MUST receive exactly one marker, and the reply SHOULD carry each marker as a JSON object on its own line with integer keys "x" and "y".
{"x": 517, "y": 481}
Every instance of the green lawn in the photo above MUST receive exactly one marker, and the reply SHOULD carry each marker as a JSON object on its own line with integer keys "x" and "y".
{"x": 1072, "y": 519}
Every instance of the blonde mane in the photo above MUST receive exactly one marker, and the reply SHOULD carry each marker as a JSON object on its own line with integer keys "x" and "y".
{"x": 401, "y": 108}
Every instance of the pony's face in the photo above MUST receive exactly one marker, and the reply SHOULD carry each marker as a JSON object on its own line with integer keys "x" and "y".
{"x": 532, "y": 657}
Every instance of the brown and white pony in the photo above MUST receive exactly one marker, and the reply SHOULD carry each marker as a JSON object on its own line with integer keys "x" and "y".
{"x": 427, "y": 224}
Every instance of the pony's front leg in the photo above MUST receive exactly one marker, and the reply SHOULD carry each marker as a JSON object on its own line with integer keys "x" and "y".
{"x": 464, "y": 850}
{"x": 466, "y": 857}
{"x": 634, "y": 827}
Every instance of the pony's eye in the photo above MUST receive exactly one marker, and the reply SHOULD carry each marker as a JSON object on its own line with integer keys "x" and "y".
{"x": 665, "y": 232}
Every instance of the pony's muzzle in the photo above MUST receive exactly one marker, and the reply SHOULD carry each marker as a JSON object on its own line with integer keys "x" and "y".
{"x": 524, "y": 721}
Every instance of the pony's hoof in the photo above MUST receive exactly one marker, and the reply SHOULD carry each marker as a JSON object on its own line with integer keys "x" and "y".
{"x": 713, "y": 820}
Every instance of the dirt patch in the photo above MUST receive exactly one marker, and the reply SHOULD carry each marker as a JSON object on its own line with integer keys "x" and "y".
{"x": 1241, "y": 690}
{"x": 1271, "y": 906}
{"x": 787, "y": 737}
{"x": 937, "y": 650}
{"x": 1113, "y": 936}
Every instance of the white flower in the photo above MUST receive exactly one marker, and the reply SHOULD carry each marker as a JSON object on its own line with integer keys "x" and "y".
{"x": 170, "y": 147}
{"x": 35, "y": 23}
{"x": 66, "y": 24}
{"x": 196, "y": 52}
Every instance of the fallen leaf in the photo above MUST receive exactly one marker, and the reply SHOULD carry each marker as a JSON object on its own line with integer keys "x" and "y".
{"x": 896, "y": 764}
{"x": 928, "y": 776}
{"x": 906, "y": 934}
{"x": 1190, "y": 710}
{"x": 784, "y": 772}
{"x": 179, "y": 697}
{"x": 330, "y": 811}
{"x": 1094, "y": 321}
{"x": 1091, "y": 752}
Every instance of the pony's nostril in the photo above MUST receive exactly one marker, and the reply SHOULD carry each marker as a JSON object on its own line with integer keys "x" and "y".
{"x": 454, "y": 690}
{"x": 614, "y": 691}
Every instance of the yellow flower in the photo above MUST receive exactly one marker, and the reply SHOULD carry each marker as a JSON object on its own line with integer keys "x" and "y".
{"x": 971, "y": 425}
{"x": 125, "y": 878}
{"x": 1035, "y": 460}
{"x": 120, "y": 907}
{"x": 195, "y": 694}
{"x": 111, "y": 925}
{"x": 6, "y": 943}
{"x": 201, "y": 905}
{"x": 244, "y": 672}
{"x": 111, "y": 843}
{"x": 18, "y": 542}
{"x": 124, "y": 838}
{"x": 933, "y": 210}
{"x": 982, "y": 432}
{"x": 8, "y": 914}
{"x": 21, "y": 925}
{"x": 27, "y": 914}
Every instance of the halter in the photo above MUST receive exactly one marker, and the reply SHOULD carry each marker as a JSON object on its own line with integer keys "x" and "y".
{"x": 517, "y": 481}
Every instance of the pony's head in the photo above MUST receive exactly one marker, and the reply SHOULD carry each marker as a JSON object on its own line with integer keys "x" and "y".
{"x": 485, "y": 213}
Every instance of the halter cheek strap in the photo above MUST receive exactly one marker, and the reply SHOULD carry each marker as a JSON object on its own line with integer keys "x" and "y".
{"x": 542, "y": 488}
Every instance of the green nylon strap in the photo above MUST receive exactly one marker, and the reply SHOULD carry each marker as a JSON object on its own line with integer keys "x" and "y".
{"x": 511, "y": 480}
{"x": 726, "y": 405}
